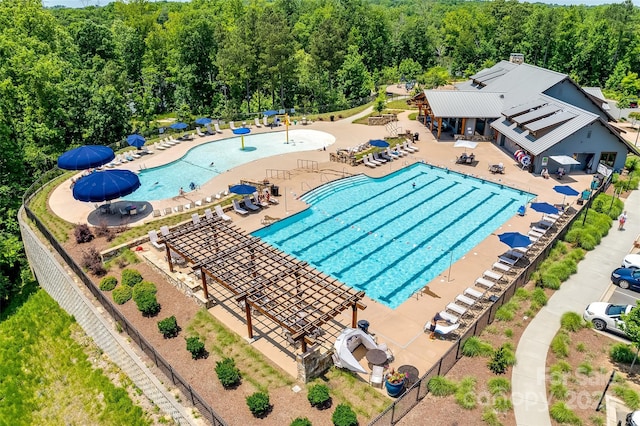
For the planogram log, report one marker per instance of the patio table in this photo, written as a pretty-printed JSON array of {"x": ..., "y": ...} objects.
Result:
[
  {"x": 376, "y": 356},
  {"x": 411, "y": 372}
]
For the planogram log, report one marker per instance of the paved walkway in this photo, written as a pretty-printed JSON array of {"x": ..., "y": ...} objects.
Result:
[{"x": 588, "y": 285}]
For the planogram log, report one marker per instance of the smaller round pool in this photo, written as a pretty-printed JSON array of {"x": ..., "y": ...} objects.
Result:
[{"x": 204, "y": 162}]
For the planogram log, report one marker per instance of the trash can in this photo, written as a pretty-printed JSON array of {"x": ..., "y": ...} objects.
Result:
[
  {"x": 363, "y": 325},
  {"x": 275, "y": 190},
  {"x": 416, "y": 136}
]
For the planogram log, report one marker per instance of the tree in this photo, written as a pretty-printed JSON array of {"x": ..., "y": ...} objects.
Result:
[
  {"x": 435, "y": 77},
  {"x": 631, "y": 327}
]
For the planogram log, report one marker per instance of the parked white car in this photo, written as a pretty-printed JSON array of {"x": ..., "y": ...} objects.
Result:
[
  {"x": 633, "y": 419},
  {"x": 606, "y": 316},
  {"x": 631, "y": 261}
]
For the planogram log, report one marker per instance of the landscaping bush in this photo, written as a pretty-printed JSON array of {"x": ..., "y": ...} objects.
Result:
[
  {"x": 259, "y": 404},
  {"x": 509, "y": 353},
  {"x": 499, "y": 362},
  {"x": 522, "y": 294},
  {"x": 144, "y": 294},
  {"x": 440, "y": 386},
  {"x": 344, "y": 416},
  {"x": 196, "y": 347},
  {"x": 560, "y": 344},
  {"x": 92, "y": 261},
  {"x": 108, "y": 283},
  {"x": 507, "y": 311},
  {"x": 168, "y": 327},
  {"x": 621, "y": 352},
  {"x": 103, "y": 230},
  {"x": 538, "y": 298},
  {"x": 571, "y": 321},
  {"x": 301, "y": 421},
  {"x": 548, "y": 280},
  {"x": 318, "y": 395},
  {"x": 563, "y": 414},
  {"x": 629, "y": 396},
  {"x": 228, "y": 373},
  {"x": 466, "y": 393},
  {"x": 490, "y": 417},
  {"x": 83, "y": 233},
  {"x": 474, "y": 346},
  {"x": 499, "y": 386},
  {"x": 121, "y": 294},
  {"x": 558, "y": 390},
  {"x": 131, "y": 277},
  {"x": 502, "y": 404}
]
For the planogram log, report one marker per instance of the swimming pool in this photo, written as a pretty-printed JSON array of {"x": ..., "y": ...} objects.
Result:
[
  {"x": 389, "y": 238},
  {"x": 196, "y": 166}
]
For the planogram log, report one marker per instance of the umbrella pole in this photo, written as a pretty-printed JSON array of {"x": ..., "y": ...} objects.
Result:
[
  {"x": 450, "y": 263},
  {"x": 242, "y": 139}
]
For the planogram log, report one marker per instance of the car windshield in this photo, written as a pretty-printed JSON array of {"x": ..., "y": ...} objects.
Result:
[{"x": 616, "y": 310}]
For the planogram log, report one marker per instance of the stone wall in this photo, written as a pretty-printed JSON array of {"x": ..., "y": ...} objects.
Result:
[
  {"x": 382, "y": 120},
  {"x": 313, "y": 364}
]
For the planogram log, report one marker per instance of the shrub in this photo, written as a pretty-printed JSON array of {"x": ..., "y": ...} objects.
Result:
[
  {"x": 92, "y": 261},
  {"x": 502, "y": 404},
  {"x": 498, "y": 363},
  {"x": 562, "y": 414},
  {"x": 560, "y": 367},
  {"x": 571, "y": 321},
  {"x": 490, "y": 417},
  {"x": 474, "y": 346},
  {"x": 585, "y": 368},
  {"x": 507, "y": 311},
  {"x": 548, "y": 280},
  {"x": 131, "y": 277},
  {"x": 227, "y": 372},
  {"x": 301, "y": 421},
  {"x": 466, "y": 393},
  {"x": 83, "y": 233},
  {"x": 522, "y": 294},
  {"x": 440, "y": 386},
  {"x": 560, "y": 345},
  {"x": 108, "y": 283},
  {"x": 318, "y": 395},
  {"x": 558, "y": 390},
  {"x": 499, "y": 386},
  {"x": 539, "y": 297},
  {"x": 121, "y": 294},
  {"x": 103, "y": 230},
  {"x": 509, "y": 353},
  {"x": 629, "y": 396},
  {"x": 259, "y": 404},
  {"x": 168, "y": 327},
  {"x": 344, "y": 416},
  {"x": 508, "y": 333},
  {"x": 144, "y": 294},
  {"x": 621, "y": 352},
  {"x": 196, "y": 347}
]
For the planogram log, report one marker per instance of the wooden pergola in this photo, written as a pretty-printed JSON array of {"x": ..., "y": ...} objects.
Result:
[
  {"x": 263, "y": 279},
  {"x": 424, "y": 110}
]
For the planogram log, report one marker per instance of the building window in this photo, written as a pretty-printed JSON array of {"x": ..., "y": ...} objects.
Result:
[
  {"x": 589, "y": 134},
  {"x": 608, "y": 158}
]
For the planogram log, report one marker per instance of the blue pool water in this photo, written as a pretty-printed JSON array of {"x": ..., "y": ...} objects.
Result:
[
  {"x": 388, "y": 238},
  {"x": 165, "y": 181}
]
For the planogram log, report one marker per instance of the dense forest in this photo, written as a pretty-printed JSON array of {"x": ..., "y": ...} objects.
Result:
[{"x": 91, "y": 76}]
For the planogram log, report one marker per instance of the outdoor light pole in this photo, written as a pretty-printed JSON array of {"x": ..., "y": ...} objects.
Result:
[{"x": 605, "y": 390}]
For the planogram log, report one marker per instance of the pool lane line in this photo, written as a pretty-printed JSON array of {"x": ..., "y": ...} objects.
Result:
[{"x": 444, "y": 253}]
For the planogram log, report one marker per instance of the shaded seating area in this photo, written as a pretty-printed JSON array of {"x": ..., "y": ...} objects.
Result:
[
  {"x": 496, "y": 168},
  {"x": 299, "y": 299},
  {"x": 466, "y": 159}
]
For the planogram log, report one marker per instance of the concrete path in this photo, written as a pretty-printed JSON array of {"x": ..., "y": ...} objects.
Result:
[{"x": 592, "y": 280}]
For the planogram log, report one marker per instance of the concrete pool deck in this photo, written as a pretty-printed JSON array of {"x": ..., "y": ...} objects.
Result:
[{"x": 400, "y": 328}]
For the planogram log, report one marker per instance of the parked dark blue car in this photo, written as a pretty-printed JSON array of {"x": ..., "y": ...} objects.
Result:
[{"x": 627, "y": 278}]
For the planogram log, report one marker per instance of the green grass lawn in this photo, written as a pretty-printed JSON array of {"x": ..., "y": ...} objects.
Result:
[{"x": 48, "y": 379}]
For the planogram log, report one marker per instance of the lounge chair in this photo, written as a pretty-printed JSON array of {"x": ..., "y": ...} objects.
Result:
[
  {"x": 256, "y": 199},
  {"x": 265, "y": 121},
  {"x": 248, "y": 204},
  {"x": 472, "y": 292},
  {"x": 256, "y": 121},
  {"x": 134, "y": 154},
  {"x": 377, "y": 158},
  {"x": 400, "y": 151},
  {"x": 377, "y": 376},
  {"x": 372, "y": 160},
  {"x": 237, "y": 208},
  {"x": 158, "y": 147},
  {"x": 195, "y": 218},
  {"x": 164, "y": 230},
  {"x": 153, "y": 238},
  {"x": 217, "y": 127},
  {"x": 199, "y": 132},
  {"x": 406, "y": 147},
  {"x": 221, "y": 213},
  {"x": 485, "y": 283},
  {"x": 156, "y": 213},
  {"x": 449, "y": 317},
  {"x": 491, "y": 274},
  {"x": 496, "y": 168},
  {"x": 442, "y": 330},
  {"x": 208, "y": 214},
  {"x": 198, "y": 203},
  {"x": 413, "y": 146},
  {"x": 232, "y": 125},
  {"x": 167, "y": 211},
  {"x": 366, "y": 162},
  {"x": 466, "y": 300},
  {"x": 384, "y": 155},
  {"x": 188, "y": 206},
  {"x": 453, "y": 307},
  {"x": 178, "y": 209},
  {"x": 508, "y": 260},
  {"x": 501, "y": 267},
  {"x": 391, "y": 154},
  {"x": 145, "y": 150}
]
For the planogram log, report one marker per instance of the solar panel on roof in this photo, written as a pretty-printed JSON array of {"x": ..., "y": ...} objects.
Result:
[
  {"x": 519, "y": 109},
  {"x": 550, "y": 121},
  {"x": 536, "y": 114}
]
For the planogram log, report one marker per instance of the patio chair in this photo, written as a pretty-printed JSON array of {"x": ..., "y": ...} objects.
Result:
[
  {"x": 400, "y": 151},
  {"x": 199, "y": 132},
  {"x": 391, "y": 154},
  {"x": 453, "y": 307},
  {"x": 237, "y": 208},
  {"x": 256, "y": 199},
  {"x": 167, "y": 211},
  {"x": 188, "y": 206},
  {"x": 442, "y": 330},
  {"x": 377, "y": 376},
  {"x": 164, "y": 230},
  {"x": 153, "y": 238},
  {"x": 176, "y": 259},
  {"x": 406, "y": 147},
  {"x": 217, "y": 127},
  {"x": 383, "y": 347},
  {"x": 232, "y": 125},
  {"x": 208, "y": 214},
  {"x": 379, "y": 159},
  {"x": 220, "y": 213},
  {"x": 366, "y": 162},
  {"x": 257, "y": 122},
  {"x": 195, "y": 218},
  {"x": 265, "y": 121},
  {"x": 248, "y": 204}
]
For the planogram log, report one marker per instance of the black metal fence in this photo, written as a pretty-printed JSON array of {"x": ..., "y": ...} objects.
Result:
[
  {"x": 184, "y": 386},
  {"x": 411, "y": 397}
]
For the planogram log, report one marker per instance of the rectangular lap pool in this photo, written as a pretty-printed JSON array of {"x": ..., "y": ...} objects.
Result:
[{"x": 393, "y": 235}]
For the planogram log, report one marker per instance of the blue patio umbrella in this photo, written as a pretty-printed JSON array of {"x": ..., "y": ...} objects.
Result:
[
  {"x": 379, "y": 143},
  {"x": 545, "y": 208},
  {"x": 515, "y": 239},
  {"x": 565, "y": 190},
  {"x": 243, "y": 189},
  {"x": 105, "y": 186},
  {"x": 86, "y": 157},
  {"x": 179, "y": 125},
  {"x": 203, "y": 120},
  {"x": 136, "y": 140},
  {"x": 241, "y": 131},
  {"x": 270, "y": 112}
]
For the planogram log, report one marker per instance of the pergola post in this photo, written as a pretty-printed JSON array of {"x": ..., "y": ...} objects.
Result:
[
  {"x": 354, "y": 316},
  {"x": 464, "y": 127},
  {"x": 166, "y": 245},
  {"x": 203, "y": 277},
  {"x": 303, "y": 347},
  {"x": 439, "y": 126},
  {"x": 247, "y": 311}
]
